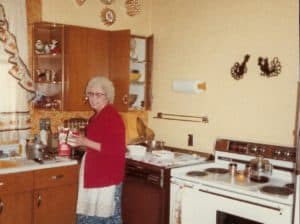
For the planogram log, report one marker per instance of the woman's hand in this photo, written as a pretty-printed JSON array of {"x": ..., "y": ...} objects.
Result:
[
  {"x": 80, "y": 140},
  {"x": 76, "y": 140}
]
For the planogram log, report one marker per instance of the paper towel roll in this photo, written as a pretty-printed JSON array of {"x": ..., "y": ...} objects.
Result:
[{"x": 189, "y": 86}]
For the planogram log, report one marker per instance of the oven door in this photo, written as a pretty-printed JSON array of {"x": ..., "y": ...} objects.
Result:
[{"x": 216, "y": 208}]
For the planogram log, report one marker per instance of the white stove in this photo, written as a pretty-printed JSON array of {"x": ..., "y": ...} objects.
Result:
[{"x": 212, "y": 193}]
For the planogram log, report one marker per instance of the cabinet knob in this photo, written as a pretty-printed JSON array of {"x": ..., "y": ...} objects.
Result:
[
  {"x": 39, "y": 200},
  {"x": 125, "y": 99},
  {"x": 59, "y": 176},
  {"x": 1, "y": 206}
]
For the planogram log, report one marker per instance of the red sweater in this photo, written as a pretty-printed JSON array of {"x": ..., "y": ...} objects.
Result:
[{"x": 106, "y": 167}]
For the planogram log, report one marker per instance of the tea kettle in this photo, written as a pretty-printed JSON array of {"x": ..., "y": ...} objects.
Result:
[{"x": 260, "y": 166}]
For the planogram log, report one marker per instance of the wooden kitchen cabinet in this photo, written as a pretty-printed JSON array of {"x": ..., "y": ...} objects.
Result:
[
  {"x": 55, "y": 195},
  {"x": 82, "y": 53},
  {"x": 16, "y": 198}
]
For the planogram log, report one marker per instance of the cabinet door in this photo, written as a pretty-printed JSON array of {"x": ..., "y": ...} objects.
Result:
[
  {"x": 55, "y": 205},
  {"x": 86, "y": 55},
  {"x": 140, "y": 89},
  {"x": 16, "y": 198},
  {"x": 55, "y": 195},
  {"x": 119, "y": 49},
  {"x": 16, "y": 208},
  {"x": 47, "y": 64}
]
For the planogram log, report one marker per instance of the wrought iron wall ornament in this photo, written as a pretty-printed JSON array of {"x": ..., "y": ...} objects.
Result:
[
  {"x": 238, "y": 70},
  {"x": 269, "y": 69}
]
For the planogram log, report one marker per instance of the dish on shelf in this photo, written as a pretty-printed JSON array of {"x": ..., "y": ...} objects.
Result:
[
  {"x": 134, "y": 76},
  {"x": 48, "y": 88},
  {"x": 131, "y": 99}
]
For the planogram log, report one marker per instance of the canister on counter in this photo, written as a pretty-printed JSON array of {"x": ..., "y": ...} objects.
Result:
[{"x": 63, "y": 148}]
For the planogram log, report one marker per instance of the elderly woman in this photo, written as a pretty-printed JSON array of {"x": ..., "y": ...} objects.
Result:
[{"x": 102, "y": 167}]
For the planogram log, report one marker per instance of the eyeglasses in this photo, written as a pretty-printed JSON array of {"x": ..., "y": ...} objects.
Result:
[{"x": 94, "y": 94}]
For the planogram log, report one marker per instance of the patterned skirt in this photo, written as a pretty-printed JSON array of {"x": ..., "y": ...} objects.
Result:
[{"x": 115, "y": 219}]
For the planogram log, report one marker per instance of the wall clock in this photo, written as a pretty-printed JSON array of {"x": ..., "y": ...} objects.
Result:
[{"x": 108, "y": 16}]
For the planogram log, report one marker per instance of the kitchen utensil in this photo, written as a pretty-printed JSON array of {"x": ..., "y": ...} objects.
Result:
[
  {"x": 232, "y": 167},
  {"x": 35, "y": 149},
  {"x": 260, "y": 166}
]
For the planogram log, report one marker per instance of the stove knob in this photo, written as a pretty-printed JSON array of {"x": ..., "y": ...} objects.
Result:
[
  {"x": 277, "y": 153},
  {"x": 287, "y": 155},
  {"x": 253, "y": 149},
  {"x": 260, "y": 151}
]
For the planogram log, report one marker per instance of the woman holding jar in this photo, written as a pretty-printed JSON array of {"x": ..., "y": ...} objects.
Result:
[{"x": 103, "y": 165}]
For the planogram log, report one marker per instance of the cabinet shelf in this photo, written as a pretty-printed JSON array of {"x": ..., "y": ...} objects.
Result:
[
  {"x": 137, "y": 83},
  {"x": 48, "y": 56}
]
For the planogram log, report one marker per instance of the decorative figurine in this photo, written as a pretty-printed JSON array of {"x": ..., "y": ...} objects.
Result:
[
  {"x": 39, "y": 47},
  {"x": 54, "y": 46}
]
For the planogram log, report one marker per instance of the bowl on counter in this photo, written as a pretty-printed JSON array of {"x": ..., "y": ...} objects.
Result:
[{"x": 136, "y": 151}]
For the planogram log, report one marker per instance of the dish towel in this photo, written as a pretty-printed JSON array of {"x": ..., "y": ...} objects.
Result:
[{"x": 95, "y": 201}]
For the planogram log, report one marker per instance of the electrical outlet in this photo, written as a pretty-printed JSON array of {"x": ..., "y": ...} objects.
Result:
[{"x": 190, "y": 140}]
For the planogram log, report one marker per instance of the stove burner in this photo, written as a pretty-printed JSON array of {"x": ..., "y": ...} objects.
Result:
[
  {"x": 290, "y": 186},
  {"x": 196, "y": 173},
  {"x": 259, "y": 179},
  {"x": 217, "y": 170},
  {"x": 277, "y": 190}
]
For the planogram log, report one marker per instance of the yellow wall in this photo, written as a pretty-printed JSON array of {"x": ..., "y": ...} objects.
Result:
[
  {"x": 88, "y": 15},
  {"x": 202, "y": 39}
]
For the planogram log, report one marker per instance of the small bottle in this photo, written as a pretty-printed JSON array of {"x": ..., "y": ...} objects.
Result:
[
  {"x": 43, "y": 134},
  {"x": 49, "y": 136}
]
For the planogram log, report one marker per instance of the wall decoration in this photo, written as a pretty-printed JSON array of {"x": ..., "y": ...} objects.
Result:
[
  {"x": 107, "y": 2},
  {"x": 133, "y": 7},
  {"x": 108, "y": 16},
  {"x": 269, "y": 69},
  {"x": 238, "y": 70},
  {"x": 80, "y": 2}
]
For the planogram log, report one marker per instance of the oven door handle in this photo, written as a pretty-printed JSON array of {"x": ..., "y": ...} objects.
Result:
[
  {"x": 182, "y": 184},
  {"x": 239, "y": 200}
]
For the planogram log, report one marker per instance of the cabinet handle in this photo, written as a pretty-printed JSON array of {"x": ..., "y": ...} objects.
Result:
[
  {"x": 1, "y": 183},
  {"x": 59, "y": 176},
  {"x": 39, "y": 200},
  {"x": 1, "y": 206},
  {"x": 125, "y": 99}
]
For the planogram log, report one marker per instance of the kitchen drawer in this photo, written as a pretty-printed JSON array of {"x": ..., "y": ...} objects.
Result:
[
  {"x": 54, "y": 177},
  {"x": 16, "y": 182}
]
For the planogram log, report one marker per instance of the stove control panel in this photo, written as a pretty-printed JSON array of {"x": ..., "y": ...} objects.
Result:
[{"x": 257, "y": 149}]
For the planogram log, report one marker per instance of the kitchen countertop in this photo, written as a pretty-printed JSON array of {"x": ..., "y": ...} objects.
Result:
[{"x": 30, "y": 165}]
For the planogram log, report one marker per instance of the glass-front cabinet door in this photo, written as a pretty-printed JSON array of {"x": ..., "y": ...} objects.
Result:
[{"x": 141, "y": 54}]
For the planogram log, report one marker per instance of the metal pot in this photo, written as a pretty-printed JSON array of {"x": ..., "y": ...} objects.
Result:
[
  {"x": 260, "y": 166},
  {"x": 35, "y": 150}
]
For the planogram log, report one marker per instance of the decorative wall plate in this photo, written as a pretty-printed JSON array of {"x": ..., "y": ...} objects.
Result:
[
  {"x": 107, "y": 2},
  {"x": 80, "y": 2},
  {"x": 108, "y": 16},
  {"x": 133, "y": 7}
]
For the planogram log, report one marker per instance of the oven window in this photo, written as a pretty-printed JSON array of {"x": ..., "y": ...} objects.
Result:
[{"x": 225, "y": 218}]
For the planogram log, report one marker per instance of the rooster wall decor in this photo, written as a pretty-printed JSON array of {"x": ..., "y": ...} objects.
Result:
[
  {"x": 238, "y": 70},
  {"x": 269, "y": 69}
]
